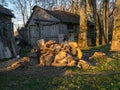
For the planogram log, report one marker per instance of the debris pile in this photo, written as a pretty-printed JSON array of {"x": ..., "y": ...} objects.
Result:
[{"x": 63, "y": 54}]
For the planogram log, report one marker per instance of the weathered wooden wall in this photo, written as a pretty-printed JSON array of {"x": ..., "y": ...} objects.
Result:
[
  {"x": 1, "y": 50},
  {"x": 34, "y": 34},
  {"x": 43, "y": 25},
  {"x": 7, "y": 41},
  {"x": 24, "y": 34},
  {"x": 50, "y": 32}
]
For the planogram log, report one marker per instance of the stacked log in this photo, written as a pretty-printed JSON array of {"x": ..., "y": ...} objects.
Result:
[{"x": 63, "y": 54}]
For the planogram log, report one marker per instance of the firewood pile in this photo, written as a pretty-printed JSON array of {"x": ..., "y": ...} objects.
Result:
[{"x": 63, "y": 54}]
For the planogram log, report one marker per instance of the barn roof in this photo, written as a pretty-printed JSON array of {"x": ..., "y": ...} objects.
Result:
[
  {"x": 63, "y": 16},
  {"x": 5, "y": 11}
]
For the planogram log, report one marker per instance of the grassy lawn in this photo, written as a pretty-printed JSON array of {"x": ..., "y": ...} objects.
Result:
[
  {"x": 85, "y": 81},
  {"x": 104, "y": 76}
]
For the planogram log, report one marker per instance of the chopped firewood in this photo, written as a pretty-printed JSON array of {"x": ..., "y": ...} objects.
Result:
[{"x": 64, "y": 54}]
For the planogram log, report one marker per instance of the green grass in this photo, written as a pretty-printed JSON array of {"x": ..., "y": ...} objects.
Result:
[
  {"x": 99, "y": 78},
  {"x": 104, "y": 48},
  {"x": 104, "y": 76},
  {"x": 12, "y": 81}
]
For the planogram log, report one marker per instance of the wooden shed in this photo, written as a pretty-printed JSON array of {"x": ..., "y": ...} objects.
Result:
[
  {"x": 54, "y": 25},
  {"x": 7, "y": 41},
  {"x": 50, "y": 25}
]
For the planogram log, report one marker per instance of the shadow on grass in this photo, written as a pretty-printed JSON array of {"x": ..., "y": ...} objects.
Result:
[
  {"x": 40, "y": 79},
  {"x": 104, "y": 48},
  {"x": 24, "y": 52}
]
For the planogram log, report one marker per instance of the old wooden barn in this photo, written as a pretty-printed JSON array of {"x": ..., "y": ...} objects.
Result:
[
  {"x": 51, "y": 25},
  {"x": 7, "y": 41}
]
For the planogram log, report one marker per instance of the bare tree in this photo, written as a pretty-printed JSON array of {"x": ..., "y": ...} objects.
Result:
[
  {"x": 116, "y": 31},
  {"x": 30, "y": 3},
  {"x": 46, "y": 4},
  {"x": 24, "y": 7},
  {"x": 105, "y": 19},
  {"x": 74, "y": 6},
  {"x": 87, "y": 12},
  {"x": 91, "y": 16},
  {"x": 82, "y": 37}
]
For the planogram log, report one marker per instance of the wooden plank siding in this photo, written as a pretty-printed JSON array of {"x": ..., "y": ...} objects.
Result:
[
  {"x": 50, "y": 33},
  {"x": 8, "y": 46},
  {"x": 34, "y": 33},
  {"x": 43, "y": 24}
]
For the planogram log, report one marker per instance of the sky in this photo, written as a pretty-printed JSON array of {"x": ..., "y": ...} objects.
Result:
[
  {"x": 12, "y": 7},
  {"x": 17, "y": 20}
]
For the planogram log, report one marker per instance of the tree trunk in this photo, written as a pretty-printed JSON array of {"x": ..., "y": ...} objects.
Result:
[
  {"x": 91, "y": 15},
  {"x": 97, "y": 31},
  {"x": 105, "y": 20},
  {"x": 82, "y": 37},
  {"x": 116, "y": 31}
]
